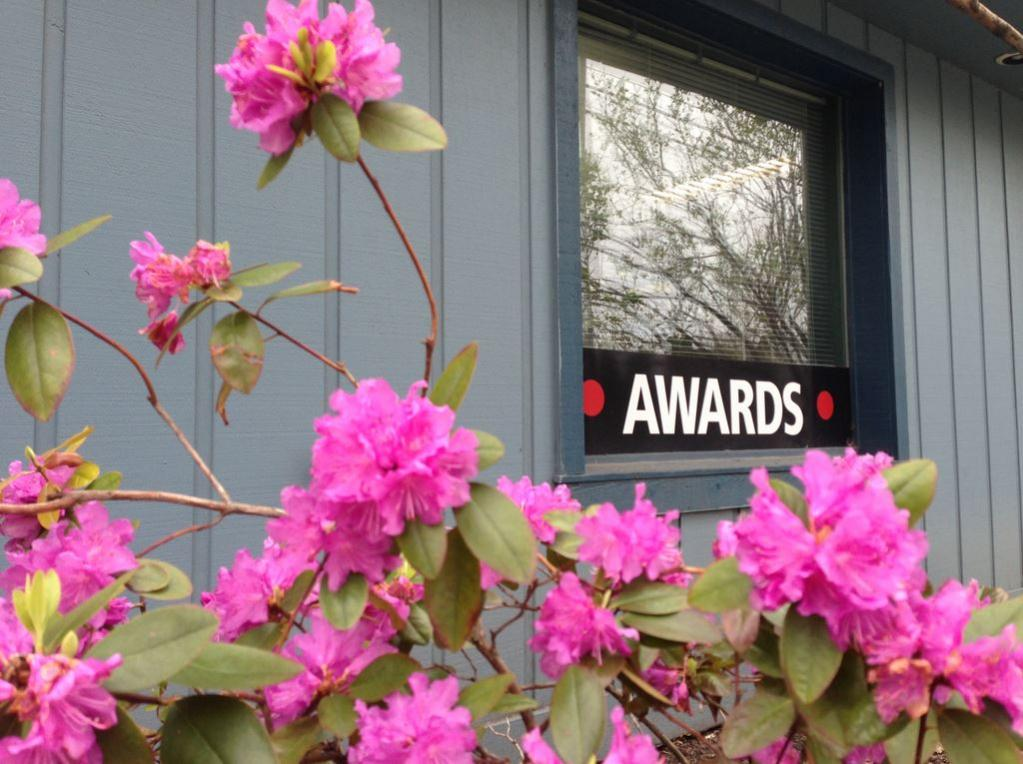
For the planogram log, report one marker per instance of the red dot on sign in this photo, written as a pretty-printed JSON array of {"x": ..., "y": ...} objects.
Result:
[
  {"x": 593, "y": 397},
  {"x": 825, "y": 405}
]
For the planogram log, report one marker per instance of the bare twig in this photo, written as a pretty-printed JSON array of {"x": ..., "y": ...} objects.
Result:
[
  {"x": 489, "y": 651},
  {"x": 431, "y": 341},
  {"x": 991, "y": 21},
  {"x": 337, "y": 366},
  {"x": 665, "y": 740},
  {"x": 151, "y": 395},
  {"x": 182, "y": 532},
  {"x": 74, "y": 498}
]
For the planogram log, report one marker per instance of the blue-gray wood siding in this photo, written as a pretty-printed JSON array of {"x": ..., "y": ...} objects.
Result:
[{"x": 113, "y": 107}]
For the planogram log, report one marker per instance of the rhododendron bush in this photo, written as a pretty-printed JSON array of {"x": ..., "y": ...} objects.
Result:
[{"x": 814, "y": 635}]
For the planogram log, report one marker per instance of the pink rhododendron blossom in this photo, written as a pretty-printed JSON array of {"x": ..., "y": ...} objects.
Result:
[
  {"x": 160, "y": 330},
  {"x": 943, "y": 618},
  {"x": 902, "y": 685},
  {"x": 333, "y": 659},
  {"x": 829, "y": 482},
  {"x": 570, "y": 627},
  {"x": 19, "y": 221},
  {"x": 866, "y": 754},
  {"x": 537, "y": 750},
  {"x": 247, "y": 591},
  {"x": 313, "y": 525},
  {"x": 159, "y": 276},
  {"x": 426, "y": 727},
  {"x": 627, "y": 748},
  {"x": 24, "y": 487},
  {"x": 87, "y": 556},
  {"x": 670, "y": 682},
  {"x": 990, "y": 668},
  {"x": 6, "y": 294},
  {"x": 781, "y": 751},
  {"x": 726, "y": 541},
  {"x": 14, "y": 637},
  {"x": 209, "y": 263},
  {"x": 62, "y": 703},
  {"x": 385, "y": 460},
  {"x": 626, "y": 545},
  {"x": 269, "y": 103}
]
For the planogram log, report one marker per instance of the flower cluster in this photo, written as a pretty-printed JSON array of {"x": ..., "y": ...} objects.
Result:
[
  {"x": 274, "y": 77},
  {"x": 19, "y": 221},
  {"x": 161, "y": 277},
  {"x": 26, "y": 487}
]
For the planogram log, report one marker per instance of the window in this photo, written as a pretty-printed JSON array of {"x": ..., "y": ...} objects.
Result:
[{"x": 712, "y": 264}]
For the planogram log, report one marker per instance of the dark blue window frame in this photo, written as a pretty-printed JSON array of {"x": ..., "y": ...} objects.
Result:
[{"x": 865, "y": 86}]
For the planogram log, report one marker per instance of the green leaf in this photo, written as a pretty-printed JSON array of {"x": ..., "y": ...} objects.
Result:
[
  {"x": 213, "y": 729},
  {"x": 418, "y": 630},
  {"x": 77, "y": 617},
  {"x": 578, "y": 711},
  {"x": 424, "y": 546},
  {"x": 489, "y": 449},
  {"x": 819, "y": 752},
  {"x": 650, "y": 598},
  {"x": 337, "y": 127},
  {"x": 63, "y": 239},
  {"x": 450, "y": 390},
  {"x": 344, "y": 607},
  {"x": 262, "y": 637},
  {"x": 192, "y": 312},
  {"x": 385, "y": 675},
  {"x": 292, "y": 741},
  {"x": 792, "y": 498},
  {"x": 913, "y": 484},
  {"x": 273, "y": 168},
  {"x": 454, "y": 598},
  {"x": 991, "y": 620},
  {"x": 764, "y": 654},
  {"x": 303, "y": 290},
  {"x": 684, "y": 626},
  {"x": 969, "y": 739},
  {"x": 298, "y": 590},
  {"x": 514, "y": 704},
  {"x": 155, "y": 646},
  {"x": 901, "y": 747},
  {"x": 148, "y": 578},
  {"x": 124, "y": 743},
  {"x": 40, "y": 359},
  {"x": 396, "y": 126},
  {"x": 651, "y": 691},
  {"x": 809, "y": 658},
  {"x": 226, "y": 292},
  {"x": 236, "y": 347},
  {"x": 19, "y": 266},
  {"x": 721, "y": 587},
  {"x": 178, "y": 586},
  {"x": 108, "y": 481},
  {"x": 741, "y": 628},
  {"x": 337, "y": 715},
  {"x": 481, "y": 696},
  {"x": 262, "y": 275},
  {"x": 224, "y": 666},
  {"x": 756, "y": 723},
  {"x": 498, "y": 533}
]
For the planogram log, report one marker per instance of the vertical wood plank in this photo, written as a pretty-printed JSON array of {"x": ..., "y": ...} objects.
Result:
[
  {"x": 933, "y": 324},
  {"x": 699, "y": 531},
  {"x": 128, "y": 150},
  {"x": 999, "y": 371},
  {"x": 967, "y": 324}
]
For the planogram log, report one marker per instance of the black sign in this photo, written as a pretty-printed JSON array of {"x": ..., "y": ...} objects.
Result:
[{"x": 642, "y": 402}]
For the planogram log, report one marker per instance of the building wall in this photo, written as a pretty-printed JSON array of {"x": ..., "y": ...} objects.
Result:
[{"x": 113, "y": 107}]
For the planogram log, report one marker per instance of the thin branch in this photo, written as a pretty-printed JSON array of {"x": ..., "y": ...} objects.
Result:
[
  {"x": 73, "y": 498},
  {"x": 991, "y": 21},
  {"x": 431, "y": 341},
  {"x": 182, "y": 532},
  {"x": 151, "y": 395},
  {"x": 337, "y": 366},
  {"x": 301, "y": 603},
  {"x": 489, "y": 651}
]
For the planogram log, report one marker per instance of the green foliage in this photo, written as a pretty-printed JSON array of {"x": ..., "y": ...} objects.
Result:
[
  {"x": 809, "y": 658},
  {"x": 236, "y": 347},
  {"x": 273, "y": 168},
  {"x": 19, "y": 266},
  {"x": 39, "y": 359},
  {"x": 913, "y": 484},
  {"x": 721, "y": 587},
  {"x": 191, "y": 312},
  {"x": 498, "y": 534},
  {"x": 756, "y": 723},
  {"x": 684, "y": 626},
  {"x": 303, "y": 290},
  {"x": 66, "y": 238},
  {"x": 212, "y": 729},
  {"x": 394, "y": 126},
  {"x": 650, "y": 598},
  {"x": 417, "y": 629},
  {"x": 265, "y": 274},
  {"x": 75, "y": 618},
  {"x": 514, "y": 704},
  {"x": 451, "y": 388},
  {"x": 970, "y": 739},
  {"x": 454, "y": 598},
  {"x": 124, "y": 743},
  {"x": 424, "y": 546},
  {"x": 344, "y": 606},
  {"x": 481, "y": 696},
  {"x": 173, "y": 583},
  {"x": 578, "y": 715},
  {"x": 337, "y": 715},
  {"x": 337, "y": 127},
  {"x": 901, "y": 747},
  {"x": 155, "y": 646},
  {"x": 385, "y": 675},
  {"x": 292, "y": 741},
  {"x": 490, "y": 449},
  {"x": 262, "y": 637},
  {"x": 224, "y": 666},
  {"x": 991, "y": 620},
  {"x": 792, "y": 498}
]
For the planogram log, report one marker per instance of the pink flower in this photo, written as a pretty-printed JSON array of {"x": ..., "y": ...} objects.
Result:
[
  {"x": 159, "y": 277},
  {"x": 726, "y": 541},
  {"x": 19, "y": 221},
  {"x": 537, "y": 750},
  {"x": 247, "y": 590},
  {"x": 570, "y": 627},
  {"x": 670, "y": 682},
  {"x": 627, "y": 748},
  {"x": 990, "y": 668},
  {"x": 426, "y": 727},
  {"x": 333, "y": 659},
  {"x": 829, "y": 482},
  {"x": 270, "y": 104},
  {"x": 386, "y": 459},
  {"x": 160, "y": 330},
  {"x": 24, "y": 487},
  {"x": 209, "y": 263},
  {"x": 313, "y": 524},
  {"x": 866, "y": 753},
  {"x": 14, "y": 637},
  {"x": 63, "y": 704},
  {"x": 773, "y": 754},
  {"x": 6, "y": 294},
  {"x": 626, "y": 545},
  {"x": 902, "y": 685}
]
